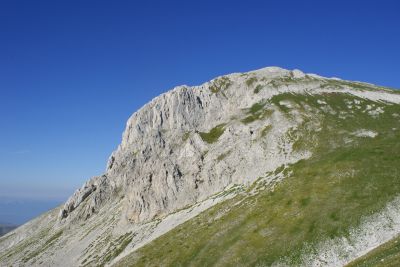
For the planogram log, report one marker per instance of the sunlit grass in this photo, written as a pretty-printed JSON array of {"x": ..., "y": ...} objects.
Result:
[
  {"x": 322, "y": 198},
  {"x": 213, "y": 135}
]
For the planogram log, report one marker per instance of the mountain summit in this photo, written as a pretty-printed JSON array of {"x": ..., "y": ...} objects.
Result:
[{"x": 270, "y": 168}]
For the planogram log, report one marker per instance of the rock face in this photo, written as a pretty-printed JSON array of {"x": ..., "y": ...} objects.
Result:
[
  {"x": 180, "y": 151},
  {"x": 166, "y": 160},
  {"x": 99, "y": 190}
]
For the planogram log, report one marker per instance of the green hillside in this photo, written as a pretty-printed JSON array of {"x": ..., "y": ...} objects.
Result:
[{"x": 352, "y": 173}]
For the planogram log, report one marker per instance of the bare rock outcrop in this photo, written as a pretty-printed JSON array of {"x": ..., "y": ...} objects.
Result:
[
  {"x": 192, "y": 142},
  {"x": 165, "y": 161}
]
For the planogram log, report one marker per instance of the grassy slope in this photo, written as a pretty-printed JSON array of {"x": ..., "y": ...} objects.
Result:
[
  {"x": 321, "y": 198},
  {"x": 386, "y": 255},
  {"x": 33, "y": 245}
]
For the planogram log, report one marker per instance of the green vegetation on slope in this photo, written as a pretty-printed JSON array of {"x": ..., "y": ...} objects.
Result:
[
  {"x": 109, "y": 248},
  {"x": 386, "y": 255},
  {"x": 257, "y": 111},
  {"x": 250, "y": 81},
  {"x": 25, "y": 245},
  {"x": 322, "y": 198},
  {"x": 213, "y": 135},
  {"x": 258, "y": 89},
  {"x": 220, "y": 84},
  {"x": 222, "y": 156},
  {"x": 185, "y": 136},
  {"x": 49, "y": 242},
  {"x": 354, "y": 85}
]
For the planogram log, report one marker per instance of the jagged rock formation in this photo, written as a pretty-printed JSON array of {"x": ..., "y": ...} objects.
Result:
[
  {"x": 189, "y": 149},
  {"x": 161, "y": 165},
  {"x": 97, "y": 188}
]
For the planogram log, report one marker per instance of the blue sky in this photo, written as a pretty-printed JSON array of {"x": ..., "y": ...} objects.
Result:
[{"x": 72, "y": 72}]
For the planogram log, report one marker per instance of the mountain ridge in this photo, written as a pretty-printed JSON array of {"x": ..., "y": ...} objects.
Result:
[{"x": 194, "y": 148}]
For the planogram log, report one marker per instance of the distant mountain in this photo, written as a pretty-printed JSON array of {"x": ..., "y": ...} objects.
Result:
[
  {"x": 266, "y": 168},
  {"x": 5, "y": 228},
  {"x": 17, "y": 211}
]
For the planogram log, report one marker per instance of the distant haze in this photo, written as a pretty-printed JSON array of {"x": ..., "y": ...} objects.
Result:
[
  {"x": 19, "y": 204},
  {"x": 17, "y": 211}
]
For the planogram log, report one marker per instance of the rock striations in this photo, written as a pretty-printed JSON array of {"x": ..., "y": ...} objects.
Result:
[{"x": 166, "y": 162}]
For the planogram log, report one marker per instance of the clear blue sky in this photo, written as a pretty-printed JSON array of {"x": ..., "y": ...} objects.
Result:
[{"x": 72, "y": 72}]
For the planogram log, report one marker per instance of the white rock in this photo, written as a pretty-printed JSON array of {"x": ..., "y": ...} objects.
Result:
[{"x": 365, "y": 133}]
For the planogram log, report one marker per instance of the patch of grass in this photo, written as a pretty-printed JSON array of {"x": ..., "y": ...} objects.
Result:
[
  {"x": 256, "y": 108},
  {"x": 234, "y": 189},
  {"x": 185, "y": 136},
  {"x": 257, "y": 116},
  {"x": 305, "y": 201},
  {"x": 276, "y": 100},
  {"x": 265, "y": 130},
  {"x": 49, "y": 242},
  {"x": 113, "y": 247},
  {"x": 283, "y": 81},
  {"x": 220, "y": 84},
  {"x": 289, "y": 80},
  {"x": 254, "y": 185},
  {"x": 54, "y": 237},
  {"x": 213, "y": 135},
  {"x": 257, "y": 112},
  {"x": 23, "y": 247},
  {"x": 249, "y": 119},
  {"x": 122, "y": 242},
  {"x": 355, "y": 85},
  {"x": 222, "y": 156},
  {"x": 386, "y": 255},
  {"x": 286, "y": 79},
  {"x": 250, "y": 81},
  {"x": 258, "y": 89},
  {"x": 95, "y": 251}
]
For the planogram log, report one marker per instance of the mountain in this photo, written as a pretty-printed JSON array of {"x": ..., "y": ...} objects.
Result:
[{"x": 267, "y": 168}]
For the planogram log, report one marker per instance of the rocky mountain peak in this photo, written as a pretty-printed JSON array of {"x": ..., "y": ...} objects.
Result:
[
  {"x": 194, "y": 147},
  {"x": 165, "y": 161},
  {"x": 168, "y": 157}
]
